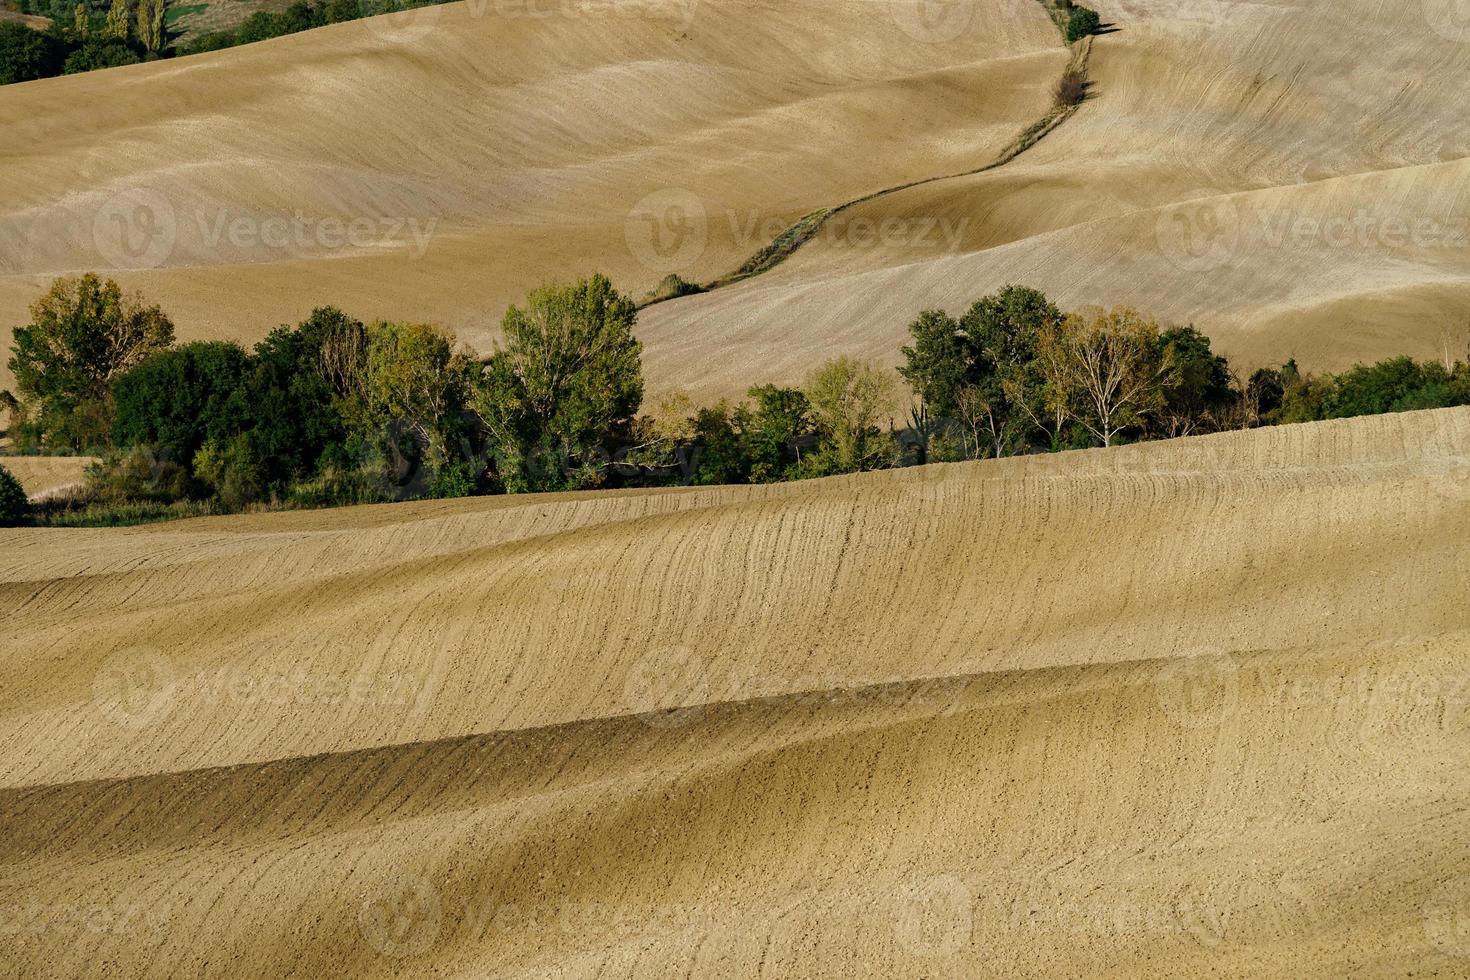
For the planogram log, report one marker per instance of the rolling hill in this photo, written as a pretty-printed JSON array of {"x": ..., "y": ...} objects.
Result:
[
  {"x": 1196, "y": 706},
  {"x": 1284, "y": 175}
]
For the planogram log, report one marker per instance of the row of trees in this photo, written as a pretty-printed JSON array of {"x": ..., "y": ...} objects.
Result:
[
  {"x": 83, "y": 36},
  {"x": 333, "y": 410},
  {"x": 89, "y": 34}
]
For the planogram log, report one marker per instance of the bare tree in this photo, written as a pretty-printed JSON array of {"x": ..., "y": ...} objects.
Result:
[{"x": 1110, "y": 363}]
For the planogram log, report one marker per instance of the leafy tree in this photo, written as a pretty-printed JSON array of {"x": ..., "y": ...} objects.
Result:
[
  {"x": 776, "y": 431},
  {"x": 1003, "y": 331},
  {"x": 416, "y": 381},
  {"x": 721, "y": 436},
  {"x": 1110, "y": 366},
  {"x": 150, "y": 31},
  {"x": 849, "y": 400},
  {"x": 564, "y": 387},
  {"x": 293, "y": 408},
  {"x": 939, "y": 363},
  {"x": 95, "y": 53},
  {"x": 1399, "y": 384},
  {"x": 119, "y": 20},
  {"x": 233, "y": 470},
  {"x": 27, "y": 54},
  {"x": 83, "y": 335},
  {"x": 179, "y": 399},
  {"x": 14, "y": 507},
  {"x": 1197, "y": 386},
  {"x": 1081, "y": 23}
]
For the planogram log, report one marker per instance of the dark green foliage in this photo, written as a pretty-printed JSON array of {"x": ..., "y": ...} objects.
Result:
[
  {"x": 721, "y": 452},
  {"x": 975, "y": 377},
  {"x": 294, "y": 418},
  {"x": 27, "y": 54},
  {"x": 14, "y": 507},
  {"x": 212, "y": 41},
  {"x": 1399, "y": 384},
  {"x": 179, "y": 399},
  {"x": 1081, "y": 23},
  {"x": 1198, "y": 390},
  {"x": 777, "y": 431},
  {"x": 94, "y": 54},
  {"x": 939, "y": 363}
]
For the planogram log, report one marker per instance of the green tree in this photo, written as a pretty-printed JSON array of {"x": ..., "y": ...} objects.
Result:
[
  {"x": 27, "y": 54},
  {"x": 1197, "y": 386},
  {"x": 293, "y": 407},
  {"x": 418, "y": 383},
  {"x": 1005, "y": 396},
  {"x": 850, "y": 399},
  {"x": 181, "y": 398},
  {"x": 83, "y": 335},
  {"x": 233, "y": 470},
  {"x": 14, "y": 507},
  {"x": 779, "y": 427},
  {"x": 1399, "y": 384},
  {"x": 119, "y": 19},
  {"x": 1081, "y": 23},
  {"x": 564, "y": 387},
  {"x": 939, "y": 363},
  {"x": 150, "y": 31}
]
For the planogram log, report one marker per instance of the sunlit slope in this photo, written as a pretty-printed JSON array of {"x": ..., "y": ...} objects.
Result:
[
  {"x": 491, "y": 614},
  {"x": 481, "y": 151},
  {"x": 1289, "y": 176},
  {"x": 41, "y": 476},
  {"x": 1195, "y": 706}
]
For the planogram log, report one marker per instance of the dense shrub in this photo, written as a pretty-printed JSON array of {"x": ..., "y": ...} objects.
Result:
[
  {"x": 1082, "y": 22},
  {"x": 27, "y": 54},
  {"x": 14, "y": 507},
  {"x": 179, "y": 399},
  {"x": 94, "y": 54},
  {"x": 1071, "y": 88}
]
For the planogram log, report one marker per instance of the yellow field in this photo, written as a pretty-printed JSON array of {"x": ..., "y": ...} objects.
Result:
[{"x": 1188, "y": 708}]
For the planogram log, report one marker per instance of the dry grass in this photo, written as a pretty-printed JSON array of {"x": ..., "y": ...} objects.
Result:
[{"x": 1191, "y": 703}]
